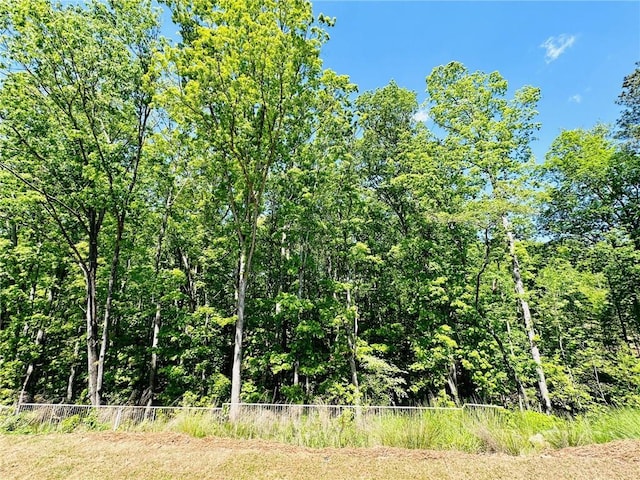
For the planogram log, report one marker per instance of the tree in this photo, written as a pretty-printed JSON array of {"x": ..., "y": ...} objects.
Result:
[
  {"x": 75, "y": 116},
  {"x": 593, "y": 187},
  {"x": 248, "y": 73},
  {"x": 629, "y": 121},
  {"x": 492, "y": 136},
  {"x": 593, "y": 198}
]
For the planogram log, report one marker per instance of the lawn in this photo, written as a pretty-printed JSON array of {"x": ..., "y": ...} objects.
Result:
[{"x": 167, "y": 455}]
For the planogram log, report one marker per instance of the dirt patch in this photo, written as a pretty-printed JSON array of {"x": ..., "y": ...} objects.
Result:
[
  {"x": 622, "y": 450},
  {"x": 152, "y": 456}
]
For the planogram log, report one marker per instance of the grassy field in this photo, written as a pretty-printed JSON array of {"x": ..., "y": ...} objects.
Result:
[
  {"x": 485, "y": 444},
  {"x": 480, "y": 431},
  {"x": 166, "y": 455}
]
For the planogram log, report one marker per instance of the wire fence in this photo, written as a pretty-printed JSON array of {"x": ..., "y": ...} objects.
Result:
[
  {"x": 125, "y": 417},
  {"x": 111, "y": 416},
  {"x": 300, "y": 410}
]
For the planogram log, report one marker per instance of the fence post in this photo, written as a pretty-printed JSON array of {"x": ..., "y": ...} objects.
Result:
[{"x": 116, "y": 423}]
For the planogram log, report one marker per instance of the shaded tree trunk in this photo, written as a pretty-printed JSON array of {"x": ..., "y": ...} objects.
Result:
[
  {"x": 148, "y": 395},
  {"x": 108, "y": 307},
  {"x": 26, "y": 395},
  {"x": 90, "y": 272},
  {"x": 72, "y": 371},
  {"x": 523, "y": 400},
  {"x": 352, "y": 335}
]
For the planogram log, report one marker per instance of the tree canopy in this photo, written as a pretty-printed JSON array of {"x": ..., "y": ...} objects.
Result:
[{"x": 221, "y": 219}]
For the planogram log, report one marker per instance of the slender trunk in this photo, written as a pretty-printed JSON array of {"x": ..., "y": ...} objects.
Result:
[
  {"x": 485, "y": 264},
  {"x": 108, "y": 307},
  {"x": 452, "y": 382},
  {"x": 296, "y": 374},
  {"x": 157, "y": 318},
  {"x": 243, "y": 270},
  {"x": 630, "y": 343},
  {"x": 352, "y": 335},
  {"x": 193, "y": 293},
  {"x": 526, "y": 314},
  {"x": 148, "y": 397},
  {"x": 597, "y": 378},
  {"x": 153, "y": 364},
  {"x": 72, "y": 371},
  {"x": 25, "y": 393},
  {"x": 30, "y": 376},
  {"x": 92, "y": 336},
  {"x": 296, "y": 364},
  {"x": 566, "y": 364},
  {"x": 523, "y": 400}
]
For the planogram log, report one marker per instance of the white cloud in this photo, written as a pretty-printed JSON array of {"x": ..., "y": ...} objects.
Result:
[
  {"x": 421, "y": 115},
  {"x": 577, "y": 98},
  {"x": 555, "y": 46}
]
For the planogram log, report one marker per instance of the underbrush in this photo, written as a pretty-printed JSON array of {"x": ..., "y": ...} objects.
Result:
[
  {"x": 474, "y": 431},
  {"x": 37, "y": 423}
]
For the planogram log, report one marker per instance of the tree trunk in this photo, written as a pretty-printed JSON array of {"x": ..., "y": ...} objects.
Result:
[
  {"x": 26, "y": 394},
  {"x": 352, "y": 335},
  {"x": 193, "y": 291},
  {"x": 523, "y": 400},
  {"x": 296, "y": 374},
  {"x": 108, "y": 307},
  {"x": 90, "y": 270},
  {"x": 92, "y": 336},
  {"x": 452, "y": 382},
  {"x": 597, "y": 378},
  {"x": 243, "y": 270},
  {"x": 526, "y": 314},
  {"x": 72, "y": 373},
  {"x": 148, "y": 396},
  {"x": 153, "y": 364}
]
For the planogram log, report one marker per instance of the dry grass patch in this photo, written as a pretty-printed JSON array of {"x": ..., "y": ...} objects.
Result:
[{"x": 156, "y": 456}]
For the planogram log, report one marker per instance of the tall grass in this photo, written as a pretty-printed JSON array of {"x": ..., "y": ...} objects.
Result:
[
  {"x": 477, "y": 431},
  {"x": 482, "y": 430}
]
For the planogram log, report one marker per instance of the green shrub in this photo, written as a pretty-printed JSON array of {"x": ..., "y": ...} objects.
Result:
[{"x": 69, "y": 424}]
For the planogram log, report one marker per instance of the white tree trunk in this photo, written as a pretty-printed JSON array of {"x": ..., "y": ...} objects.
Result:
[
  {"x": 526, "y": 315},
  {"x": 236, "y": 380},
  {"x": 153, "y": 364},
  {"x": 352, "y": 335},
  {"x": 72, "y": 373}
]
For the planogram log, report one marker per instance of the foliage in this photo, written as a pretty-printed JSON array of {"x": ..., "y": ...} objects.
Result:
[{"x": 175, "y": 213}]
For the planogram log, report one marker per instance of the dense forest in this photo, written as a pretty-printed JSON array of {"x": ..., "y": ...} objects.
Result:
[{"x": 219, "y": 218}]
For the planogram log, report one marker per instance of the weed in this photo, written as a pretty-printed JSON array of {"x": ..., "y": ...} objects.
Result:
[{"x": 473, "y": 431}]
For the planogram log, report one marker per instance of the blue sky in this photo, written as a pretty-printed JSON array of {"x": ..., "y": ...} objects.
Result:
[{"x": 576, "y": 52}]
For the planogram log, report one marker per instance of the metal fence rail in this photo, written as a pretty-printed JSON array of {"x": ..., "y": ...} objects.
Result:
[{"x": 331, "y": 411}]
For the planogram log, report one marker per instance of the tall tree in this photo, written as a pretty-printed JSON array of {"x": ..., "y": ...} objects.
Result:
[
  {"x": 75, "y": 117},
  {"x": 629, "y": 121},
  {"x": 492, "y": 135},
  {"x": 248, "y": 73},
  {"x": 593, "y": 198},
  {"x": 594, "y": 187}
]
